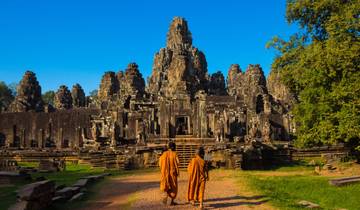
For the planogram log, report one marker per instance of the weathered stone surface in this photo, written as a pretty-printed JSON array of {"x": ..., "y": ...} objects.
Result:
[
  {"x": 179, "y": 67},
  {"x": 109, "y": 86},
  {"x": 278, "y": 90},
  {"x": 63, "y": 98},
  {"x": 77, "y": 196},
  {"x": 28, "y": 96},
  {"x": 10, "y": 177},
  {"x": 81, "y": 183},
  {"x": 35, "y": 196},
  {"x": 179, "y": 34},
  {"x": 132, "y": 83},
  {"x": 345, "y": 181},
  {"x": 217, "y": 84},
  {"x": 21, "y": 205},
  {"x": 36, "y": 190},
  {"x": 308, "y": 204},
  {"x": 51, "y": 165},
  {"x": 67, "y": 192},
  {"x": 95, "y": 177},
  {"x": 78, "y": 96},
  {"x": 248, "y": 85},
  {"x": 234, "y": 79}
]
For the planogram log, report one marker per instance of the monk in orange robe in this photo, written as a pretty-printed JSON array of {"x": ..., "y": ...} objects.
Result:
[
  {"x": 169, "y": 167},
  {"x": 198, "y": 175}
]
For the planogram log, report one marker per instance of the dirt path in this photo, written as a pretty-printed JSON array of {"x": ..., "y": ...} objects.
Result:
[{"x": 142, "y": 192}]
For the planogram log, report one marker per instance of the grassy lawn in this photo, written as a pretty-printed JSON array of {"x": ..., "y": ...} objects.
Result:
[
  {"x": 68, "y": 177},
  {"x": 286, "y": 190},
  {"x": 92, "y": 191},
  {"x": 8, "y": 195}
]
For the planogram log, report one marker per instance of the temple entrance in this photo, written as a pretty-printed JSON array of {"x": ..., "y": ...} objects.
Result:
[{"x": 182, "y": 125}]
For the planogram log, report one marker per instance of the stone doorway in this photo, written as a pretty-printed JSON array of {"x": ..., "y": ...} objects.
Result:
[{"x": 182, "y": 125}]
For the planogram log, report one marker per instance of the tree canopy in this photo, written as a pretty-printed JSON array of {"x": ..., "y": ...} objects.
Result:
[
  {"x": 48, "y": 97},
  {"x": 320, "y": 65},
  {"x": 6, "y": 96}
]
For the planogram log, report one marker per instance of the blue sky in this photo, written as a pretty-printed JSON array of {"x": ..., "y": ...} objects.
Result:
[{"x": 76, "y": 41}]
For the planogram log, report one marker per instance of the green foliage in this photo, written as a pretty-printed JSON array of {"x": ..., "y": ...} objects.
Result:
[
  {"x": 93, "y": 93},
  {"x": 6, "y": 96},
  {"x": 48, "y": 97},
  {"x": 13, "y": 86},
  {"x": 320, "y": 64},
  {"x": 285, "y": 191}
]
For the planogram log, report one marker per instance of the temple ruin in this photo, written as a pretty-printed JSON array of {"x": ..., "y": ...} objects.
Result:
[{"x": 130, "y": 121}]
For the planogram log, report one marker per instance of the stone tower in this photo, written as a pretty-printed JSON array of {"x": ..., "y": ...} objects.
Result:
[
  {"x": 179, "y": 67},
  {"x": 78, "y": 96},
  {"x": 63, "y": 98},
  {"x": 109, "y": 86},
  {"x": 28, "y": 96}
]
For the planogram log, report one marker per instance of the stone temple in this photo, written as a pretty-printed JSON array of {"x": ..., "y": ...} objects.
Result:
[{"x": 130, "y": 121}]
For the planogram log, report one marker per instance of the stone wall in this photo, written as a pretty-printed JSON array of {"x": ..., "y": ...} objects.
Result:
[{"x": 60, "y": 129}]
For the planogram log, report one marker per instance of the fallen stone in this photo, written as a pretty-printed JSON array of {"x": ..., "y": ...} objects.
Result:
[
  {"x": 77, "y": 196},
  {"x": 37, "y": 195},
  {"x": 345, "y": 181},
  {"x": 67, "y": 192},
  {"x": 308, "y": 204},
  {"x": 8, "y": 177},
  {"x": 37, "y": 190},
  {"x": 81, "y": 183},
  {"x": 41, "y": 178},
  {"x": 58, "y": 199},
  {"x": 59, "y": 187},
  {"x": 95, "y": 177},
  {"x": 22, "y": 205}
]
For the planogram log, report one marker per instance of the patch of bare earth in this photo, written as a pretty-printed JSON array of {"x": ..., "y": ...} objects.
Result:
[{"x": 223, "y": 191}]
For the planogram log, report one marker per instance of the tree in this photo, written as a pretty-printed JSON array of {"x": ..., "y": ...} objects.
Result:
[
  {"x": 6, "y": 96},
  {"x": 12, "y": 86},
  {"x": 93, "y": 94},
  {"x": 48, "y": 97},
  {"x": 320, "y": 64}
]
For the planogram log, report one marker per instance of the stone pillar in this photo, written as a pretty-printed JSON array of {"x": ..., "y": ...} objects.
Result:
[
  {"x": 267, "y": 105},
  {"x": 164, "y": 119},
  {"x": 76, "y": 144},
  {"x": 172, "y": 120},
  {"x": 41, "y": 138},
  {"x": 59, "y": 141},
  {"x": 22, "y": 139},
  {"x": 12, "y": 136},
  {"x": 202, "y": 117}
]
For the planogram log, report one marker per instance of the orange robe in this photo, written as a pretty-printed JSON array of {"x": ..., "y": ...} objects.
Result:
[
  {"x": 169, "y": 167},
  {"x": 197, "y": 178}
]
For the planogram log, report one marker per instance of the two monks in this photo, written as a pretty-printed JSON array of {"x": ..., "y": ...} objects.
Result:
[{"x": 198, "y": 175}]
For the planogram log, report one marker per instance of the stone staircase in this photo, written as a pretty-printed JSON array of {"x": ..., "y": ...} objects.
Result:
[
  {"x": 186, "y": 152},
  {"x": 102, "y": 160}
]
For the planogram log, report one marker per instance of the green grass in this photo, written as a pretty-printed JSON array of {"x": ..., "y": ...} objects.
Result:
[
  {"x": 285, "y": 191},
  {"x": 92, "y": 191},
  {"x": 28, "y": 164},
  {"x": 72, "y": 173},
  {"x": 8, "y": 195},
  {"x": 68, "y": 177}
]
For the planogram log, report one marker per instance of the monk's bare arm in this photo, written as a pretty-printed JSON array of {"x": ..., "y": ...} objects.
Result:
[{"x": 177, "y": 165}]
